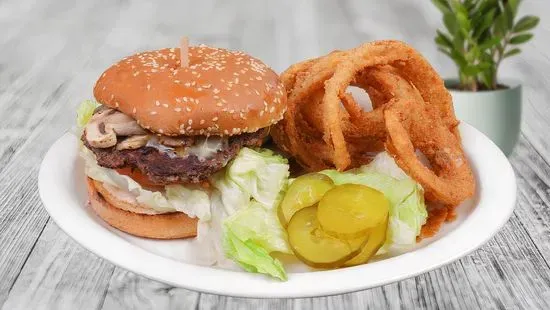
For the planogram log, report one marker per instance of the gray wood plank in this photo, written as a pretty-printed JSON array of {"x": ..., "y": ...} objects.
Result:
[{"x": 59, "y": 265}]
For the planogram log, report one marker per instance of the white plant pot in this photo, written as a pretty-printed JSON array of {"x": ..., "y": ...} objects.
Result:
[{"x": 496, "y": 113}]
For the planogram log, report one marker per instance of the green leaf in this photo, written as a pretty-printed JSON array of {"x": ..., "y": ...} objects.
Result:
[
  {"x": 442, "y": 5},
  {"x": 459, "y": 58},
  {"x": 251, "y": 256},
  {"x": 464, "y": 23},
  {"x": 513, "y": 5},
  {"x": 522, "y": 38},
  {"x": 461, "y": 16},
  {"x": 526, "y": 23},
  {"x": 487, "y": 5},
  {"x": 450, "y": 23},
  {"x": 490, "y": 43},
  {"x": 85, "y": 111},
  {"x": 511, "y": 53},
  {"x": 445, "y": 52},
  {"x": 443, "y": 40},
  {"x": 501, "y": 24},
  {"x": 484, "y": 24},
  {"x": 508, "y": 12},
  {"x": 470, "y": 70},
  {"x": 483, "y": 66}
]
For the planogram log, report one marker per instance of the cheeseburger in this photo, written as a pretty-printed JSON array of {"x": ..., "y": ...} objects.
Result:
[{"x": 161, "y": 124}]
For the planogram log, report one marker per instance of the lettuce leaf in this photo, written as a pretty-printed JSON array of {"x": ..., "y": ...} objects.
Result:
[
  {"x": 250, "y": 190},
  {"x": 262, "y": 174},
  {"x": 261, "y": 225},
  {"x": 85, "y": 111},
  {"x": 252, "y": 257},
  {"x": 407, "y": 208}
]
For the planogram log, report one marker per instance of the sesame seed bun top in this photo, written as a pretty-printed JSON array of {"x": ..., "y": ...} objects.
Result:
[{"x": 222, "y": 92}]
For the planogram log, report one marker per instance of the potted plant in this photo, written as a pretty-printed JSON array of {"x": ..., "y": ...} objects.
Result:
[{"x": 478, "y": 36}]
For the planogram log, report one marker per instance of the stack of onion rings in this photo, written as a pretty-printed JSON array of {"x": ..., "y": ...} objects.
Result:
[{"x": 412, "y": 111}]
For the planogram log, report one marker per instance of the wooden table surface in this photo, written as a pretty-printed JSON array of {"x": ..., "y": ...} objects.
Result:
[{"x": 51, "y": 53}]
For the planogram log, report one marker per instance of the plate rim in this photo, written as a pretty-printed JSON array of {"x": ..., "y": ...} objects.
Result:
[{"x": 206, "y": 279}]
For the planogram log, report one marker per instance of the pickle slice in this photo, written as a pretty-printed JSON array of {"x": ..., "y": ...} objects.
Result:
[
  {"x": 350, "y": 210},
  {"x": 377, "y": 238},
  {"x": 315, "y": 247},
  {"x": 305, "y": 191}
]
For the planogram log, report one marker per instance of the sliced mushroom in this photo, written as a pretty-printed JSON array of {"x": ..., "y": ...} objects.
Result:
[
  {"x": 106, "y": 124},
  {"x": 123, "y": 125},
  {"x": 98, "y": 136},
  {"x": 133, "y": 142}
]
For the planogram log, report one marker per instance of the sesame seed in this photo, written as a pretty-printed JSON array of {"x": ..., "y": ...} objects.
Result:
[
  {"x": 202, "y": 121},
  {"x": 116, "y": 104},
  {"x": 272, "y": 110},
  {"x": 261, "y": 112},
  {"x": 185, "y": 99},
  {"x": 215, "y": 119},
  {"x": 259, "y": 78},
  {"x": 157, "y": 103},
  {"x": 226, "y": 132},
  {"x": 177, "y": 109},
  {"x": 199, "y": 89},
  {"x": 134, "y": 110},
  {"x": 112, "y": 97},
  {"x": 207, "y": 86},
  {"x": 161, "y": 131},
  {"x": 148, "y": 86},
  {"x": 153, "y": 112},
  {"x": 165, "y": 105},
  {"x": 219, "y": 104},
  {"x": 177, "y": 81},
  {"x": 104, "y": 87},
  {"x": 188, "y": 109},
  {"x": 216, "y": 91},
  {"x": 190, "y": 122}
]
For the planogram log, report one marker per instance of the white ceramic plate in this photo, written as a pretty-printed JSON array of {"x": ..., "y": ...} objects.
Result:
[{"x": 62, "y": 189}]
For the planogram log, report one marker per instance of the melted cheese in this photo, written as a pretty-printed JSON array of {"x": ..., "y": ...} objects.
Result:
[{"x": 205, "y": 147}]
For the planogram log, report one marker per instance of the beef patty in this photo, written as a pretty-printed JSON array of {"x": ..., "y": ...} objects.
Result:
[{"x": 163, "y": 168}]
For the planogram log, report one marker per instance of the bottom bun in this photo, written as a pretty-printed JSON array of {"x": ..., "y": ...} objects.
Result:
[{"x": 175, "y": 225}]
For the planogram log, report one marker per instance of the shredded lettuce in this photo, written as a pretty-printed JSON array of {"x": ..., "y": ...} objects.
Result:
[
  {"x": 407, "y": 208},
  {"x": 252, "y": 256},
  {"x": 262, "y": 174},
  {"x": 250, "y": 189},
  {"x": 85, "y": 111},
  {"x": 260, "y": 224}
]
